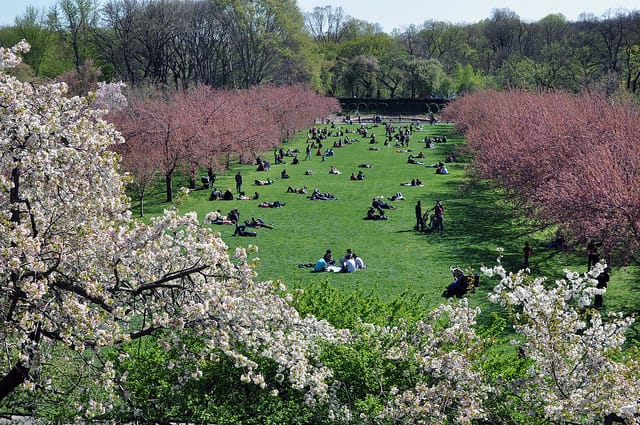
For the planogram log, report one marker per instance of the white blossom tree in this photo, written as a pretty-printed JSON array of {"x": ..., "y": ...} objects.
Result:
[
  {"x": 78, "y": 275},
  {"x": 579, "y": 369},
  {"x": 110, "y": 96}
]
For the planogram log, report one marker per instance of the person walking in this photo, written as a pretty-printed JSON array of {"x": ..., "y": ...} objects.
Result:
[
  {"x": 308, "y": 153},
  {"x": 238, "y": 182}
]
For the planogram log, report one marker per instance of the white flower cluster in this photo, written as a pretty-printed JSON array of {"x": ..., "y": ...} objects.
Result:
[
  {"x": 444, "y": 352},
  {"x": 579, "y": 371}
]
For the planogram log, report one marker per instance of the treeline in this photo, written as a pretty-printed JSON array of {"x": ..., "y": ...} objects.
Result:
[
  {"x": 239, "y": 44},
  {"x": 203, "y": 128}
]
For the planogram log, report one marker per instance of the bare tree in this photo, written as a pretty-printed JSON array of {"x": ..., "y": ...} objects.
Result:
[
  {"x": 76, "y": 20},
  {"x": 325, "y": 23}
]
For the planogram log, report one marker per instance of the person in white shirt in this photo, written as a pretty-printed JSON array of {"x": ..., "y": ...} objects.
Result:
[{"x": 359, "y": 262}]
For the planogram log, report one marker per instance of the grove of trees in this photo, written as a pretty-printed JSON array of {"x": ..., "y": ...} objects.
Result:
[
  {"x": 203, "y": 128},
  {"x": 238, "y": 44}
]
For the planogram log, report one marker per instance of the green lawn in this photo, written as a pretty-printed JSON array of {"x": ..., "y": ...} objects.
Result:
[{"x": 398, "y": 258}]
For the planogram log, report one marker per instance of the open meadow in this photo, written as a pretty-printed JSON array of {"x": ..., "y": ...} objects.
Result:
[{"x": 399, "y": 259}]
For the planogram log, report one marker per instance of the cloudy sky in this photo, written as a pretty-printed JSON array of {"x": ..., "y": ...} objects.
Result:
[{"x": 401, "y": 13}]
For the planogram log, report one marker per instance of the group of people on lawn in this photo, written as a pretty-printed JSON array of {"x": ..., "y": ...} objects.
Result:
[
  {"x": 433, "y": 222},
  {"x": 348, "y": 263}
]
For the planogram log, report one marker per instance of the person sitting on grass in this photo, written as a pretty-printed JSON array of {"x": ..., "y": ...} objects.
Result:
[
  {"x": 372, "y": 215},
  {"x": 242, "y": 231},
  {"x": 461, "y": 285},
  {"x": 227, "y": 195},
  {"x": 216, "y": 194},
  {"x": 234, "y": 215},
  {"x": 413, "y": 182},
  {"x": 320, "y": 266},
  {"x": 334, "y": 170},
  {"x": 441, "y": 168},
  {"x": 344, "y": 259},
  {"x": 360, "y": 175},
  {"x": 349, "y": 265},
  {"x": 284, "y": 175},
  {"x": 328, "y": 258}
]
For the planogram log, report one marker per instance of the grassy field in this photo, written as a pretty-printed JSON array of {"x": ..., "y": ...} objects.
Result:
[{"x": 398, "y": 258}]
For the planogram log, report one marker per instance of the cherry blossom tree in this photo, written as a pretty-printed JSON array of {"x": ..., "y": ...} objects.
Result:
[
  {"x": 161, "y": 126},
  {"x": 82, "y": 80},
  {"x": 140, "y": 161},
  {"x": 568, "y": 160},
  {"x": 203, "y": 127},
  {"x": 78, "y": 276}
]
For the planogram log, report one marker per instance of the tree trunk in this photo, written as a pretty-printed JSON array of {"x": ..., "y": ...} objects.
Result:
[
  {"x": 168, "y": 180},
  {"x": 141, "y": 199},
  {"x": 16, "y": 376}
]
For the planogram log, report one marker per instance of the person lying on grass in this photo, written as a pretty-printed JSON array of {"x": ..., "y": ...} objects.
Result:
[
  {"x": 411, "y": 160},
  {"x": 301, "y": 190},
  {"x": 257, "y": 223},
  {"x": 274, "y": 204},
  {"x": 216, "y": 217},
  {"x": 263, "y": 182},
  {"x": 242, "y": 231},
  {"x": 397, "y": 197},
  {"x": 248, "y": 198},
  {"x": 321, "y": 196},
  {"x": 380, "y": 204}
]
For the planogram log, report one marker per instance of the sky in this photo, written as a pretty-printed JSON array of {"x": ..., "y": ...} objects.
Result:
[{"x": 398, "y": 14}]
